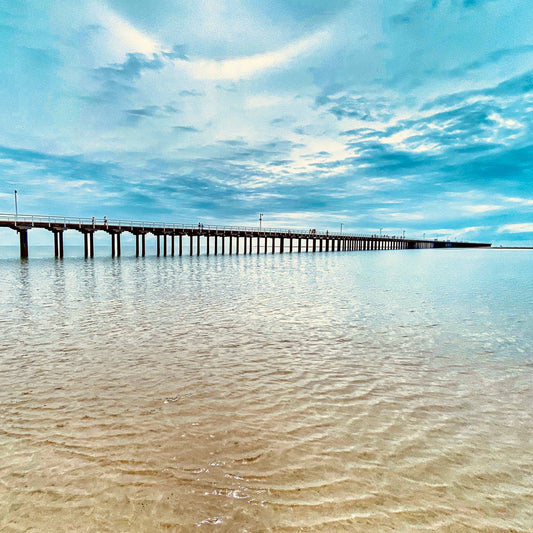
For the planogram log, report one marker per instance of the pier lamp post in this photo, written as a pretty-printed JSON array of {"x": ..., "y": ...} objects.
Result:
[
  {"x": 260, "y": 220},
  {"x": 342, "y": 224},
  {"x": 380, "y": 231},
  {"x": 16, "y": 205},
  {"x": 403, "y": 234}
]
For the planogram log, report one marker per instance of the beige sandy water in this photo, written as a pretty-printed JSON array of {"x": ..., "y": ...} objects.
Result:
[{"x": 386, "y": 391}]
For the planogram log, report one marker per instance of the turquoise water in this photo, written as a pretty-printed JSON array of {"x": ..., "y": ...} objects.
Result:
[{"x": 360, "y": 391}]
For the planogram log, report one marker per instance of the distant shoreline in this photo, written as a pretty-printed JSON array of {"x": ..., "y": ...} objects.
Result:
[{"x": 511, "y": 247}]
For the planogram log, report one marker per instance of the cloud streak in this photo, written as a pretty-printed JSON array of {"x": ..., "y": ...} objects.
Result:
[{"x": 246, "y": 67}]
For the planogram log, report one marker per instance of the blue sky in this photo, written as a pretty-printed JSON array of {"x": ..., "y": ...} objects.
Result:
[{"x": 410, "y": 115}]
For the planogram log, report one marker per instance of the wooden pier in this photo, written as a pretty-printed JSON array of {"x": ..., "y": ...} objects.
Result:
[{"x": 216, "y": 239}]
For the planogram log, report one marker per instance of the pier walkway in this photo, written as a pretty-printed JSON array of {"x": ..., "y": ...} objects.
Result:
[{"x": 216, "y": 239}]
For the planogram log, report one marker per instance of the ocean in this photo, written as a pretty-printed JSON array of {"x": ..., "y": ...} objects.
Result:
[{"x": 347, "y": 391}]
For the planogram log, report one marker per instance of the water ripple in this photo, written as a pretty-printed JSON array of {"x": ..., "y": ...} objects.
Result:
[{"x": 284, "y": 393}]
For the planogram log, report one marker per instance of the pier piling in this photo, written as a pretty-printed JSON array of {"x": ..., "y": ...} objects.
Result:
[{"x": 23, "y": 239}]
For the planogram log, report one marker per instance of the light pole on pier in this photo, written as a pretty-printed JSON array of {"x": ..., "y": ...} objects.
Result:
[
  {"x": 380, "y": 231},
  {"x": 403, "y": 231},
  {"x": 260, "y": 220},
  {"x": 342, "y": 224},
  {"x": 16, "y": 205}
]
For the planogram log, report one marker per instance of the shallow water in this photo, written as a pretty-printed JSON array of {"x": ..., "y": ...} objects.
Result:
[{"x": 362, "y": 391}]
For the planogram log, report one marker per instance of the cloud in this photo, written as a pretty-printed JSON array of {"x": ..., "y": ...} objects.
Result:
[
  {"x": 520, "y": 201},
  {"x": 198, "y": 68},
  {"x": 246, "y": 67},
  {"x": 125, "y": 38},
  {"x": 179, "y": 51},
  {"x": 524, "y": 227},
  {"x": 132, "y": 68},
  {"x": 184, "y": 129},
  {"x": 482, "y": 208},
  {"x": 516, "y": 86},
  {"x": 148, "y": 111}
]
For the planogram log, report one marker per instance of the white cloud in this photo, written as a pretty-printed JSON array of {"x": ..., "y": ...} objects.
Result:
[
  {"x": 526, "y": 227},
  {"x": 482, "y": 208},
  {"x": 406, "y": 216},
  {"x": 122, "y": 37},
  {"x": 383, "y": 181},
  {"x": 505, "y": 123},
  {"x": 520, "y": 201},
  {"x": 246, "y": 67}
]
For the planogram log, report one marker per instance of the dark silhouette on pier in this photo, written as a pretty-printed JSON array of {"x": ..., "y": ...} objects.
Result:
[{"x": 241, "y": 239}]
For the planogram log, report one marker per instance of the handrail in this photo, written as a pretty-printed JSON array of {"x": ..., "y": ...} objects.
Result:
[
  {"x": 124, "y": 224},
  {"x": 100, "y": 223}
]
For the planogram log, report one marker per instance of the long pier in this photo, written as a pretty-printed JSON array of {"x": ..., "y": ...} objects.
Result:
[{"x": 217, "y": 239}]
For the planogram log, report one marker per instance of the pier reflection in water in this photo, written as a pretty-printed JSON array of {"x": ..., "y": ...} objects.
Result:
[{"x": 356, "y": 392}]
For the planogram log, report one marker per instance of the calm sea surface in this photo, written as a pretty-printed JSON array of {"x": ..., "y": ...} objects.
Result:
[{"x": 357, "y": 391}]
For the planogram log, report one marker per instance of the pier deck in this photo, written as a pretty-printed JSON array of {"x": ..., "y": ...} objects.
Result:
[{"x": 217, "y": 239}]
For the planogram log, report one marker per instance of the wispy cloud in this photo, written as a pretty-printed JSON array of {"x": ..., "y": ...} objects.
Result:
[
  {"x": 525, "y": 227},
  {"x": 482, "y": 208},
  {"x": 124, "y": 37},
  {"x": 245, "y": 67}
]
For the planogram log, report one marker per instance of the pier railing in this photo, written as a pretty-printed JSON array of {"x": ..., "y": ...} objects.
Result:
[{"x": 55, "y": 221}]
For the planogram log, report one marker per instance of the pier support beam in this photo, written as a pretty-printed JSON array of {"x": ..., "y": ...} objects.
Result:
[
  {"x": 23, "y": 239},
  {"x": 143, "y": 242},
  {"x": 56, "y": 245},
  {"x": 115, "y": 244},
  {"x": 198, "y": 244}
]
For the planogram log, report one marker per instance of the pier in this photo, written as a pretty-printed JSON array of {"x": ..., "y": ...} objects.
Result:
[{"x": 216, "y": 240}]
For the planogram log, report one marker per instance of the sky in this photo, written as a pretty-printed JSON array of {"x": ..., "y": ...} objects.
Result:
[{"x": 399, "y": 115}]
